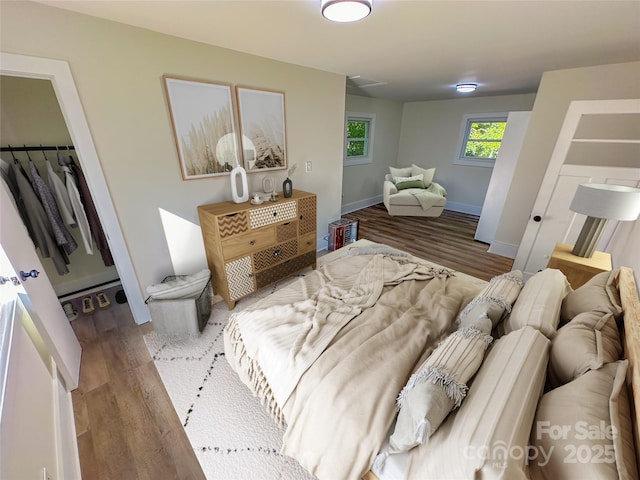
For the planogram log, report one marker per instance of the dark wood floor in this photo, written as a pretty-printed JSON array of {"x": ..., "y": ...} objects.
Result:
[
  {"x": 446, "y": 240},
  {"x": 126, "y": 426}
]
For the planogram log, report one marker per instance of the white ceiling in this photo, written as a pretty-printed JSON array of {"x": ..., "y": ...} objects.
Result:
[{"x": 414, "y": 49}]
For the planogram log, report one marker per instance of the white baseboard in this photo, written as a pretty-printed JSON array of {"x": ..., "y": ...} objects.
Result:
[
  {"x": 360, "y": 204},
  {"x": 463, "y": 208},
  {"x": 503, "y": 249}
]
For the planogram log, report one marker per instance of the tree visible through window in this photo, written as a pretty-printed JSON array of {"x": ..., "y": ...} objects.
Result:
[
  {"x": 359, "y": 138},
  {"x": 481, "y": 140}
]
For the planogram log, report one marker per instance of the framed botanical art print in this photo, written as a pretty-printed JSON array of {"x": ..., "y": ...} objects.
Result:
[
  {"x": 203, "y": 126},
  {"x": 262, "y": 128}
]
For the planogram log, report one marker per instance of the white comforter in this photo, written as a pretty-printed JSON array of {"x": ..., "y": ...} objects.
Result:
[{"x": 336, "y": 347}]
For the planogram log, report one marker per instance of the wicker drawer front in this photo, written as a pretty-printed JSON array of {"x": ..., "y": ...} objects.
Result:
[
  {"x": 232, "y": 224},
  {"x": 285, "y": 231},
  {"x": 284, "y": 269},
  {"x": 280, "y": 212},
  {"x": 307, "y": 243},
  {"x": 307, "y": 212},
  {"x": 239, "y": 278},
  {"x": 247, "y": 243},
  {"x": 274, "y": 255}
]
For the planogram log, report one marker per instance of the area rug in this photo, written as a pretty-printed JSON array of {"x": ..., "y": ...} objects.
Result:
[{"x": 229, "y": 430}]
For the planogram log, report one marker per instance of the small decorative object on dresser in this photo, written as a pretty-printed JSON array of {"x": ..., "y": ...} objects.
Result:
[
  {"x": 267, "y": 184},
  {"x": 244, "y": 196},
  {"x": 249, "y": 247},
  {"x": 287, "y": 185}
]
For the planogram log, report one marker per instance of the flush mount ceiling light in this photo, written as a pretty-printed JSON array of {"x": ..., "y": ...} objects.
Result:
[
  {"x": 466, "y": 87},
  {"x": 346, "y": 10}
]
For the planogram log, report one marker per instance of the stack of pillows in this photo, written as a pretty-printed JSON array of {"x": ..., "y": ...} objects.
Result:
[
  {"x": 583, "y": 421},
  {"x": 412, "y": 177},
  {"x": 579, "y": 426},
  {"x": 440, "y": 384}
]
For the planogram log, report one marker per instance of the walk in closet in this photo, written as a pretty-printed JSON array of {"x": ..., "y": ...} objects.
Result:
[{"x": 34, "y": 138}]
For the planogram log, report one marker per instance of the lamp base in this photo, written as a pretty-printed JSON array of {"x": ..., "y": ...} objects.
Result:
[{"x": 589, "y": 237}]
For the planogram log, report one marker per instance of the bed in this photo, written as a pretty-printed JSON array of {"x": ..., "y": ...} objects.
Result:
[{"x": 382, "y": 365}]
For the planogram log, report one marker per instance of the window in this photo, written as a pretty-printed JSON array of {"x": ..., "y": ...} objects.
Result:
[
  {"x": 480, "y": 139},
  {"x": 359, "y": 138}
]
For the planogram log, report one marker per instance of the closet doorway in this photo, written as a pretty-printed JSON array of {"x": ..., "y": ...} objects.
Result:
[
  {"x": 58, "y": 77},
  {"x": 31, "y": 117}
]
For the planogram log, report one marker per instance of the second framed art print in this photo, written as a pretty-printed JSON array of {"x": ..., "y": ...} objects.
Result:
[{"x": 262, "y": 129}]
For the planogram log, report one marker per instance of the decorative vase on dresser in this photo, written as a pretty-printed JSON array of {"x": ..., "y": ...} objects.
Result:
[{"x": 251, "y": 246}]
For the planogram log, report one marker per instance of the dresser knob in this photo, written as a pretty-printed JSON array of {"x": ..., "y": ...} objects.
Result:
[
  {"x": 252, "y": 243},
  {"x": 277, "y": 253},
  {"x": 275, "y": 214}
]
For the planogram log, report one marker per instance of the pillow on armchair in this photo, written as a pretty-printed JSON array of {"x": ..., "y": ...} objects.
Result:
[
  {"x": 416, "y": 181},
  {"x": 427, "y": 173},
  {"x": 400, "y": 172}
]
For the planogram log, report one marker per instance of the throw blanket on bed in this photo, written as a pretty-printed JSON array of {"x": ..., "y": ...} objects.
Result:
[
  {"x": 429, "y": 196},
  {"x": 287, "y": 333}
]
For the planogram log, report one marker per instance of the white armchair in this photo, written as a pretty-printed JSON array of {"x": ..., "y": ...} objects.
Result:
[{"x": 405, "y": 203}]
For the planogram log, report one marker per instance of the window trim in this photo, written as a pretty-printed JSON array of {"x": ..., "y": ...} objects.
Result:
[
  {"x": 365, "y": 159},
  {"x": 467, "y": 119}
]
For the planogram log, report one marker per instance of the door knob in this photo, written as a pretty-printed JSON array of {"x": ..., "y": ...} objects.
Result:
[
  {"x": 537, "y": 218},
  {"x": 25, "y": 276}
]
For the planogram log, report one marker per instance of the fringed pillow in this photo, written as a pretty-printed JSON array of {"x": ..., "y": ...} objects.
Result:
[
  {"x": 438, "y": 387},
  {"x": 495, "y": 300}
]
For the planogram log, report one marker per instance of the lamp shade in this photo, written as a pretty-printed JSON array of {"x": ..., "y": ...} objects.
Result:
[
  {"x": 346, "y": 10},
  {"x": 613, "y": 202}
]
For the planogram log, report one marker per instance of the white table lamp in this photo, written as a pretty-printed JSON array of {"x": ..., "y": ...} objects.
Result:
[{"x": 602, "y": 202}]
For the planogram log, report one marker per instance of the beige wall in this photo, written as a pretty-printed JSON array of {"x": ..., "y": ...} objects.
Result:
[
  {"x": 30, "y": 115},
  {"x": 557, "y": 90},
  {"x": 118, "y": 72},
  {"x": 362, "y": 184},
  {"x": 429, "y": 137}
]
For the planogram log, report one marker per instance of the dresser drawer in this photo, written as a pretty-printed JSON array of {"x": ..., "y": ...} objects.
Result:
[
  {"x": 285, "y": 269},
  {"x": 239, "y": 278},
  {"x": 247, "y": 243},
  {"x": 286, "y": 231},
  {"x": 232, "y": 224},
  {"x": 307, "y": 243},
  {"x": 276, "y": 213},
  {"x": 274, "y": 255},
  {"x": 307, "y": 215}
]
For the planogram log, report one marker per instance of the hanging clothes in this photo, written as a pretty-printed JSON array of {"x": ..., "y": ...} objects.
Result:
[
  {"x": 78, "y": 208},
  {"x": 90, "y": 209},
  {"x": 62, "y": 235},
  {"x": 57, "y": 187},
  {"x": 9, "y": 177},
  {"x": 43, "y": 236}
]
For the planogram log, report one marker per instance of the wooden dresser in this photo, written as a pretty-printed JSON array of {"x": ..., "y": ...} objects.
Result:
[{"x": 251, "y": 246}]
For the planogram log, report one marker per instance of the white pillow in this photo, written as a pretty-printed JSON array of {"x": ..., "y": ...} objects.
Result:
[
  {"x": 181, "y": 287},
  {"x": 400, "y": 172},
  {"x": 427, "y": 172}
]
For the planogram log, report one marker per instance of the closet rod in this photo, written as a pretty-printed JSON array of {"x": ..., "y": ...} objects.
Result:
[{"x": 37, "y": 149}]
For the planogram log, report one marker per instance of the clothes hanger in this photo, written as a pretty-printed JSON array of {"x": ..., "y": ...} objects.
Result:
[
  {"x": 15, "y": 160},
  {"x": 28, "y": 156}
]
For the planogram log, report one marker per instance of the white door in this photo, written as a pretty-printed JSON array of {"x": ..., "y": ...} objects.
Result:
[
  {"x": 503, "y": 169},
  {"x": 37, "y": 294},
  {"x": 37, "y": 433},
  {"x": 551, "y": 220}
]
